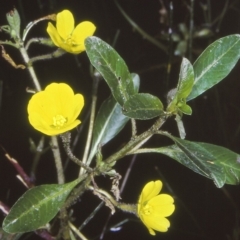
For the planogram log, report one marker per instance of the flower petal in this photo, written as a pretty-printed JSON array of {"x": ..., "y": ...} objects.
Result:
[
  {"x": 162, "y": 205},
  {"x": 63, "y": 96},
  {"x": 81, "y": 32},
  {"x": 38, "y": 123},
  {"x": 150, "y": 190},
  {"x": 52, "y": 31},
  {"x": 78, "y": 103},
  {"x": 43, "y": 104},
  {"x": 67, "y": 48},
  {"x": 158, "y": 224},
  {"x": 65, "y": 24}
]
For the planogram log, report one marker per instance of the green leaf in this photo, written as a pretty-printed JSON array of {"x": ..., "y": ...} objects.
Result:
[
  {"x": 215, "y": 63},
  {"x": 186, "y": 79},
  {"x": 184, "y": 87},
  {"x": 36, "y": 207},
  {"x": 109, "y": 122},
  {"x": 112, "y": 67},
  {"x": 215, "y": 162},
  {"x": 186, "y": 109},
  {"x": 143, "y": 106},
  {"x": 14, "y": 22}
]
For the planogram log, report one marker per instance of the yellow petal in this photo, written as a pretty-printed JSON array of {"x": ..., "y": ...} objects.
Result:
[
  {"x": 65, "y": 24},
  {"x": 43, "y": 104},
  {"x": 151, "y": 232},
  {"x": 63, "y": 98},
  {"x": 52, "y": 31},
  {"x": 78, "y": 104},
  {"x": 67, "y": 48},
  {"x": 162, "y": 205},
  {"x": 38, "y": 123},
  {"x": 150, "y": 190},
  {"x": 158, "y": 224},
  {"x": 81, "y": 32}
]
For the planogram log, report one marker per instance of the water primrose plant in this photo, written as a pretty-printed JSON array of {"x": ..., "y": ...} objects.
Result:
[{"x": 55, "y": 111}]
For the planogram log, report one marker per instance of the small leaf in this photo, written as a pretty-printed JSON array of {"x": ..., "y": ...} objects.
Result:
[
  {"x": 215, "y": 63},
  {"x": 36, "y": 207},
  {"x": 181, "y": 48},
  {"x": 136, "y": 82},
  {"x": 215, "y": 162},
  {"x": 184, "y": 87},
  {"x": 112, "y": 67},
  {"x": 186, "y": 79},
  {"x": 143, "y": 106},
  {"x": 186, "y": 109},
  {"x": 109, "y": 122},
  {"x": 14, "y": 22}
]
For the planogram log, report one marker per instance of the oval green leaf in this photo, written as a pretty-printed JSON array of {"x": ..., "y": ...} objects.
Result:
[
  {"x": 215, "y": 162},
  {"x": 215, "y": 63},
  {"x": 36, "y": 207},
  {"x": 112, "y": 67},
  {"x": 143, "y": 106}
]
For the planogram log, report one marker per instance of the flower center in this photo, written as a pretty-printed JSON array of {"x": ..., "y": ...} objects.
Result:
[
  {"x": 59, "y": 121},
  {"x": 147, "y": 210},
  {"x": 70, "y": 42}
]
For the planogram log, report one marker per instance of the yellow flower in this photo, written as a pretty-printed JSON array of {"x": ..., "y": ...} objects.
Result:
[
  {"x": 153, "y": 208},
  {"x": 54, "y": 110},
  {"x": 66, "y": 36}
]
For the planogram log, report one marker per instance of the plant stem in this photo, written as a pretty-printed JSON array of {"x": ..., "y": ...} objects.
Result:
[
  {"x": 54, "y": 142},
  {"x": 77, "y": 232},
  {"x": 96, "y": 78},
  {"x": 123, "y": 206},
  {"x": 135, "y": 143},
  {"x": 57, "y": 158},
  {"x": 30, "y": 69},
  {"x": 66, "y": 138},
  {"x": 140, "y": 30}
]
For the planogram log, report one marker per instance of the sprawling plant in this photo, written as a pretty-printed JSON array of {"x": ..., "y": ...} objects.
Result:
[{"x": 55, "y": 111}]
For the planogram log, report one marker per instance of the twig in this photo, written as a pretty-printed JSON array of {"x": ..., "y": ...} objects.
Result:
[
  {"x": 76, "y": 231},
  {"x": 66, "y": 138},
  {"x": 141, "y": 31},
  {"x": 96, "y": 78},
  {"x": 57, "y": 159},
  {"x": 23, "y": 177}
]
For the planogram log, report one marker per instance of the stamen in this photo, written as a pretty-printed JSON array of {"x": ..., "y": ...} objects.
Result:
[
  {"x": 59, "y": 121},
  {"x": 147, "y": 210}
]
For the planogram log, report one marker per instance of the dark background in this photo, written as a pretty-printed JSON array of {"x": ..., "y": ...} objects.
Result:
[{"x": 202, "y": 210}]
